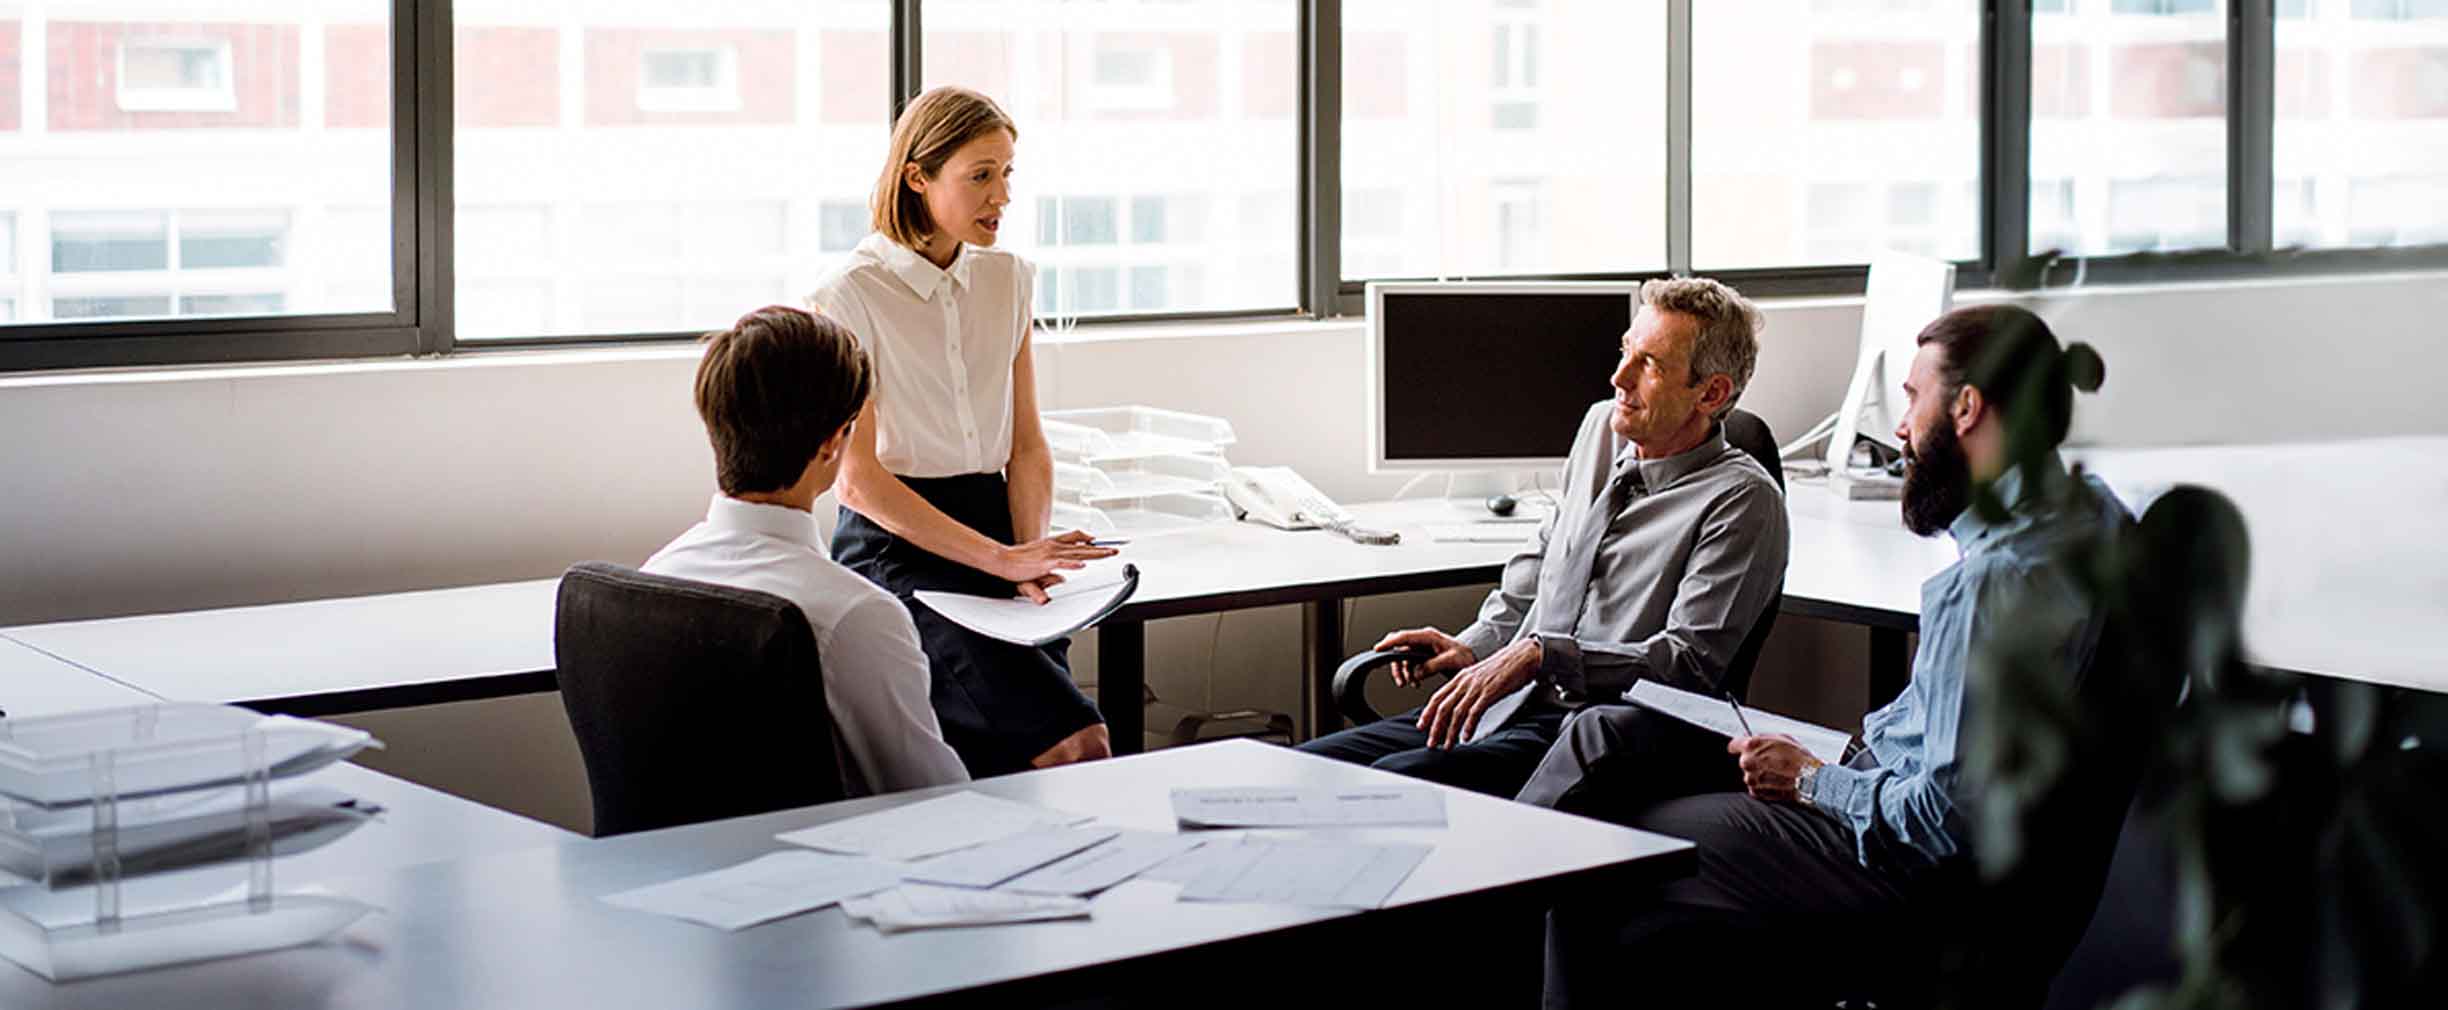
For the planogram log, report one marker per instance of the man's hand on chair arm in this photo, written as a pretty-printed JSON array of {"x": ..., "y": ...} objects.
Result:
[{"x": 1454, "y": 711}]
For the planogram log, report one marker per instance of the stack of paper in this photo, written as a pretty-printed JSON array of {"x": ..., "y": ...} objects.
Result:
[
  {"x": 1718, "y": 714},
  {"x": 1129, "y": 854},
  {"x": 925, "y": 906},
  {"x": 1325, "y": 874},
  {"x": 763, "y": 889},
  {"x": 1308, "y": 806},
  {"x": 929, "y": 827},
  {"x": 997, "y": 861},
  {"x": 1087, "y": 597}
]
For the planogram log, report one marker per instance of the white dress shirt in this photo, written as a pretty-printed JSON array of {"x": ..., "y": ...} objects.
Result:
[
  {"x": 943, "y": 342},
  {"x": 875, "y": 677}
]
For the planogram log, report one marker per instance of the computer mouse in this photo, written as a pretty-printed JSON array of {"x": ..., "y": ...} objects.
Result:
[{"x": 1501, "y": 504}]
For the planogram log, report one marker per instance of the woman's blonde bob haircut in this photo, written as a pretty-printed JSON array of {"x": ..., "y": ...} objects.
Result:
[{"x": 934, "y": 126}]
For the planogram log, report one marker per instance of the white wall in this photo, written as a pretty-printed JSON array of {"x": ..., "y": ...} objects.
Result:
[{"x": 139, "y": 492}]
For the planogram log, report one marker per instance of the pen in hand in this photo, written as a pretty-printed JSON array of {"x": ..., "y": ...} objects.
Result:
[{"x": 1738, "y": 712}]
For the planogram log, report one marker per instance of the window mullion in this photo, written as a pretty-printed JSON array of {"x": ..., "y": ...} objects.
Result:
[
  {"x": 2006, "y": 143},
  {"x": 2252, "y": 52},
  {"x": 424, "y": 199},
  {"x": 1321, "y": 156},
  {"x": 1678, "y": 136},
  {"x": 906, "y": 56}
]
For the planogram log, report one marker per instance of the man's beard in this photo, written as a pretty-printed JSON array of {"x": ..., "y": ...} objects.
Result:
[{"x": 1939, "y": 483}]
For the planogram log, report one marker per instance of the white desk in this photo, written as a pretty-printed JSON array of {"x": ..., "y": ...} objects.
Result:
[
  {"x": 2349, "y": 573},
  {"x": 33, "y": 684},
  {"x": 323, "y": 657}
]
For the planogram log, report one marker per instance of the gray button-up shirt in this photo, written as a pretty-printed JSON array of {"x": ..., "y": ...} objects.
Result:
[{"x": 1682, "y": 569}]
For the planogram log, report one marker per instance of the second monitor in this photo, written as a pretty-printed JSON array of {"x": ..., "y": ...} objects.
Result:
[{"x": 1484, "y": 377}]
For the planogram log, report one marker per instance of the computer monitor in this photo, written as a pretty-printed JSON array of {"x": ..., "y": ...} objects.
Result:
[
  {"x": 1905, "y": 292},
  {"x": 1488, "y": 376}
]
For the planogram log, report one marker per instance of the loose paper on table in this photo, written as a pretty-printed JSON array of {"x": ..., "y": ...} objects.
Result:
[
  {"x": 1718, "y": 714},
  {"x": 1086, "y": 597},
  {"x": 763, "y": 889},
  {"x": 1004, "y": 858},
  {"x": 925, "y": 906},
  {"x": 1308, "y": 806},
  {"x": 1322, "y": 874},
  {"x": 1127, "y": 855},
  {"x": 928, "y": 827}
]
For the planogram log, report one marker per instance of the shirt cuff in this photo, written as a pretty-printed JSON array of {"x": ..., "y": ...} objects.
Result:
[
  {"x": 1832, "y": 788},
  {"x": 1482, "y": 639},
  {"x": 1560, "y": 661}
]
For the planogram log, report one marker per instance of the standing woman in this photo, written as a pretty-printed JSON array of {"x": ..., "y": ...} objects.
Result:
[{"x": 948, "y": 483}]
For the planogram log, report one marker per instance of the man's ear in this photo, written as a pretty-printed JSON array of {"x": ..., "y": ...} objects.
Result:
[
  {"x": 1715, "y": 393},
  {"x": 1965, "y": 412}
]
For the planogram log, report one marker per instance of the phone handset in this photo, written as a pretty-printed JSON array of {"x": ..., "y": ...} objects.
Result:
[{"x": 1279, "y": 497}]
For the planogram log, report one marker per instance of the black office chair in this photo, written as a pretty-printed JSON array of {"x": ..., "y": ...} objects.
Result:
[
  {"x": 691, "y": 702},
  {"x": 1743, "y": 430}
]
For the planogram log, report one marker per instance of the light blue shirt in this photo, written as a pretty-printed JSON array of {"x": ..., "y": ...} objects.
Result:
[{"x": 1901, "y": 800}]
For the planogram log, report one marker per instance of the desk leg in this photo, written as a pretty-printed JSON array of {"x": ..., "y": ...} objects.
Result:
[
  {"x": 1122, "y": 683},
  {"x": 1322, "y": 630},
  {"x": 1890, "y": 666}
]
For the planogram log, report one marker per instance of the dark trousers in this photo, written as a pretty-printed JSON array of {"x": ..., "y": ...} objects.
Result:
[
  {"x": 1496, "y": 765},
  {"x": 1000, "y": 705},
  {"x": 1776, "y": 904}
]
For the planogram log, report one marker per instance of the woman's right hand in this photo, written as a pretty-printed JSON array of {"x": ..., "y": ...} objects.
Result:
[{"x": 1039, "y": 558}]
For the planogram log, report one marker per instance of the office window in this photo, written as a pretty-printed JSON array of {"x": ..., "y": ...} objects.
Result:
[
  {"x": 1148, "y": 290},
  {"x": 209, "y": 239},
  {"x": 843, "y": 223},
  {"x": 176, "y": 75},
  {"x": 232, "y": 305},
  {"x": 1131, "y": 117},
  {"x": 110, "y": 264},
  {"x": 172, "y": 144},
  {"x": 2399, "y": 10},
  {"x": 688, "y": 80},
  {"x": 8, "y": 244},
  {"x": 8, "y": 309},
  {"x": 1433, "y": 178},
  {"x": 1148, "y": 220},
  {"x": 2146, "y": 154},
  {"x": 640, "y": 169},
  {"x": 98, "y": 241},
  {"x": 2360, "y": 108},
  {"x": 110, "y": 307},
  {"x": 1823, "y": 137}
]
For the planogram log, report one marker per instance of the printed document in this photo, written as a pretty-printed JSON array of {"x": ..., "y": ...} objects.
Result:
[
  {"x": 763, "y": 889},
  {"x": 1322, "y": 874},
  {"x": 1000, "y": 860},
  {"x": 927, "y": 827},
  {"x": 1186, "y": 867},
  {"x": 1308, "y": 806},
  {"x": 1718, "y": 714},
  {"x": 925, "y": 906},
  {"x": 1127, "y": 855},
  {"x": 1084, "y": 598}
]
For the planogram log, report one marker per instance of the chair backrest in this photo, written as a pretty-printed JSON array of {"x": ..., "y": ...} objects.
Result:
[
  {"x": 1745, "y": 431},
  {"x": 2028, "y": 923},
  {"x": 691, "y": 702}
]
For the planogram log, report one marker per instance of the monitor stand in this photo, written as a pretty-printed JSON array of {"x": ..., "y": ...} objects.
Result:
[{"x": 1468, "y": 491}]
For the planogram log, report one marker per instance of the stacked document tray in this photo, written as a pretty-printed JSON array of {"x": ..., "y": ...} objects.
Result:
[
  {"x": 1137, "y": 470},
  {"x": 128, "y": 830}
]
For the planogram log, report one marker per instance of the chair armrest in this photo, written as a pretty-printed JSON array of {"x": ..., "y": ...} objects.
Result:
[{"x": 1351, "y": 681}]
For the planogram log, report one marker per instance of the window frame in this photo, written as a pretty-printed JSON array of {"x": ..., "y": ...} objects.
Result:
[{"x": 423, "y": 204}]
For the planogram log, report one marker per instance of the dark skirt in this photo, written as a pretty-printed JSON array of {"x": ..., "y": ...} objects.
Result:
[{"x": 1000, "y": 704}]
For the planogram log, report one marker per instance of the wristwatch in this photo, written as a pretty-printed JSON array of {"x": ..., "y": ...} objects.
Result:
[{"x": 1804, "y": 778}]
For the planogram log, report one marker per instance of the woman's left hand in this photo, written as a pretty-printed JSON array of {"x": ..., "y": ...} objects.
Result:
[{"x": 1035, "y": 589}]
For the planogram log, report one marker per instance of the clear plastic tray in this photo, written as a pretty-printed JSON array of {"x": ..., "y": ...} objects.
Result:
[
  {"x": 1106, "y": 433},
  {"x": 1071, "y": 515},
  {"x": 1141, "y": 476},
  {"x": 1130, "y": 515},
  {"x": 147, "y": 750},
  {"x": 60, "y": 952},
  {"x": 54, "y": 847}
]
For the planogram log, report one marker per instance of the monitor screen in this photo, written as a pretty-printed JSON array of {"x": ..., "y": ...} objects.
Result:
[{"x": 1496, "y": 377}]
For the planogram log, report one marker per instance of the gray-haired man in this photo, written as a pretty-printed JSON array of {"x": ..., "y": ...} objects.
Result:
[{"x": 1665, "y": 546}]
